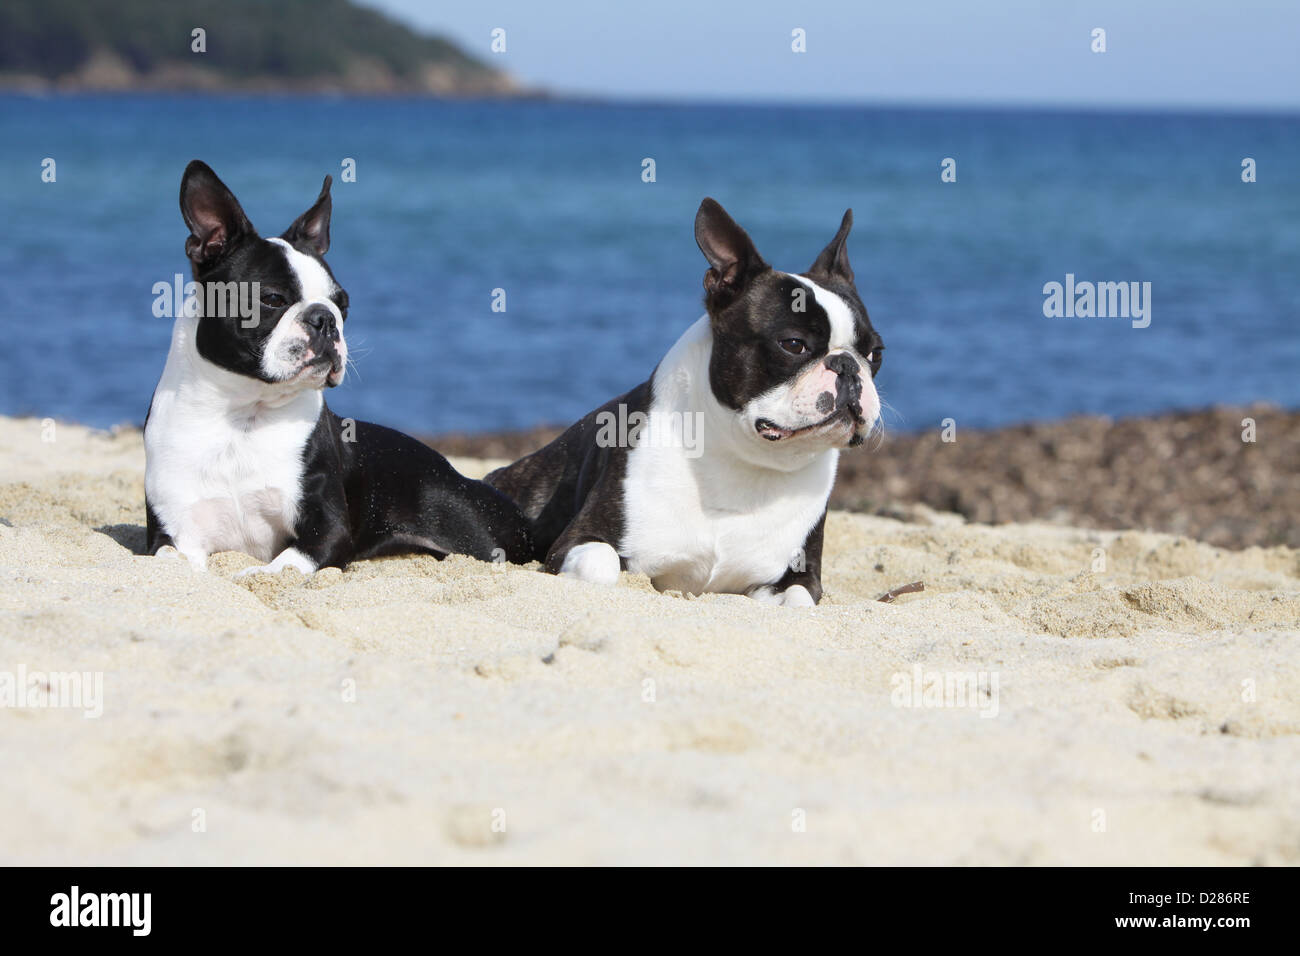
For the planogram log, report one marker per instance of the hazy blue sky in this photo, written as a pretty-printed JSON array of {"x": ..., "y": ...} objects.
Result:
[{"x": 1225, "y": 53}]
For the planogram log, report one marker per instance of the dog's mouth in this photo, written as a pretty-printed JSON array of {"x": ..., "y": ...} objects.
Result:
[
  {"x": 335, "y": 376},
  {"x": 327, "y": 367},
  {"x": 333, "y": 367},
  {"x": 848, "y": 415}
]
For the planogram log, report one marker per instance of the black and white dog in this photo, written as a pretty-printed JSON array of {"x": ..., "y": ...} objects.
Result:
[
  {"x": 242, "y": 453},
  {"x": 721, "y": 481}
]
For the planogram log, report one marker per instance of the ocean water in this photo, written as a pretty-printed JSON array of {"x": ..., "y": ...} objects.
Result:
[{"x": 600, "y": 269}]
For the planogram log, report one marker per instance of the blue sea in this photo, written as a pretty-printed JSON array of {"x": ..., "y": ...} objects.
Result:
[{"x": 546, "y": 201}]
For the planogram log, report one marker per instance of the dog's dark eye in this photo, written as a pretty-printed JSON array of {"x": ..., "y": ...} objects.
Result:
[
  {"x": 273, "y": 300},
  {"x": 874, "y": 358},
  {"x": 794, "y": 346}
]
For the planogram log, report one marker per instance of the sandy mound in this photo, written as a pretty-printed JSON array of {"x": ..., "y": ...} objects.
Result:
[{"x": 1055, "y": 695}]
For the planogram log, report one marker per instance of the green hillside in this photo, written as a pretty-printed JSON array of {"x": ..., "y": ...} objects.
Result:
[{"x": 251, "y": 44}]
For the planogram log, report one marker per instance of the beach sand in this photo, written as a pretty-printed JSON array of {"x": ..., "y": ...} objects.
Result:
[{"x": 1136, "y": 699}]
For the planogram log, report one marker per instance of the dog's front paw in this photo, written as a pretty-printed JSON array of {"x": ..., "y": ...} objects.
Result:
[
  {"x": 594, "y": 561},
  {"x": 167, "y": 552},
  {"x": 288, "y": 558},
  {"x": 796, "y": 595}
]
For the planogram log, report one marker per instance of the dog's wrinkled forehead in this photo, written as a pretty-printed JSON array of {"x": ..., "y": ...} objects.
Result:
[
  {"x": 825, "y": 310},
  {"x": 276, "y": 264},
  {"x": 263, "y": 261},
  {"x": 306, "y": 278},
  {"x": 850, "y": 326}
]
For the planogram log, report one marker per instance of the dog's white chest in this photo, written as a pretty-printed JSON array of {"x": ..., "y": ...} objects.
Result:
[
  {"x": 701, "y": 524},
  {"x": 222, "y": 483}
]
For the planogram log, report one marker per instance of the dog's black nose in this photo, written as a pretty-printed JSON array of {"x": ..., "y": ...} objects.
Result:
[
  {"x": 848, "y": 385},
  {"x": 842, "y": 363},
  {"x": 320, "y": 319}
]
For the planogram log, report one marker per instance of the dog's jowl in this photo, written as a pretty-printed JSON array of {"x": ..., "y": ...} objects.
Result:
[
  {"x": 242, "y": 453},
  {"x": 714, "y": 474}
]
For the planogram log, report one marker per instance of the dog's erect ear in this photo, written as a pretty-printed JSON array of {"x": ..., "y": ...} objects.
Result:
[
  {"x": 312, "y": 228},
  {"x": 834, "y": 260},
  {"x": 732, "y": 256},
  {"x": 212, "y": 212}
]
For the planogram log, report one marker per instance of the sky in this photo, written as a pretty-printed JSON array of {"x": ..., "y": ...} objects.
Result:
[{"x": 1222, "y": 54}]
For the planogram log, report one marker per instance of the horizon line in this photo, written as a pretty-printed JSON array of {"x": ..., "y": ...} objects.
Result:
[{"x": 538, "y": 95}]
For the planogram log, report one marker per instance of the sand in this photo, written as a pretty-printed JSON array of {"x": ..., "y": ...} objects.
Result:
[{"x": 1134, "y": 699}]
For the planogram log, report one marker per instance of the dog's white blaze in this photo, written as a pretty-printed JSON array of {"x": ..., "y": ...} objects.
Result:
[
  {"x": 278, "y": 354},
  {"x": 312, "y": 278},
  {"x": 728, "y": 519},
  {"x": 843, "y": 327}
]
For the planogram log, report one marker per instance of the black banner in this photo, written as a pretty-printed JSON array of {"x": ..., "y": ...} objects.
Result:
[{"x": 980, "y": 907}]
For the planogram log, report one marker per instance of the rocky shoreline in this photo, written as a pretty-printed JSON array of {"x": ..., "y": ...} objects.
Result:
[{"x": 1188, "y": 473}]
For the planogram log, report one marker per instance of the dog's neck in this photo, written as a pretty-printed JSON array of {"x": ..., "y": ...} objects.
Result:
[{"x": 195, "y": 381}]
